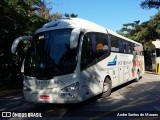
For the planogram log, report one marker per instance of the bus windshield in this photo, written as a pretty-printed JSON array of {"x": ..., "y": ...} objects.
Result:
[{"x": 50, "y": 55}]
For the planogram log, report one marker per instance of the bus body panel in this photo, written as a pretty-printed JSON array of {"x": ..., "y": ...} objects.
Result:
[
  {"x": 52, "y": 88},
  {"x": 120, "y": 73}
]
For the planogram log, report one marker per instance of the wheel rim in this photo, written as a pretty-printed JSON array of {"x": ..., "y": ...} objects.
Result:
[
  {"x": 105, "y": 87},
  {"x": 138, "y": 76}
]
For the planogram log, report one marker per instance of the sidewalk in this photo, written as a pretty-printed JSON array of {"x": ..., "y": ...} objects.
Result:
[{"x": 150, "y": 72}]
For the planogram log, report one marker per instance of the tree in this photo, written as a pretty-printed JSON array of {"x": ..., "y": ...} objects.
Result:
[
  {"x": 17, "y": 18},
  {"x": 55, "y": 16},
  {"x": 73, "y": 15},
  {"x": 144, "y": 32},
  {"x": 70, "y": 15},
  {"x": 148, "y": 4},
  {"x": 66, "y": 15},
  {"x": 129, "y": 29},
  {"x": 44, "y": 11}
]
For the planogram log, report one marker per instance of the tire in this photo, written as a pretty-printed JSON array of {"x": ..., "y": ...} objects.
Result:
[
  {"x": 106, "y": 88},
  {"x": 137, "y": 76}
]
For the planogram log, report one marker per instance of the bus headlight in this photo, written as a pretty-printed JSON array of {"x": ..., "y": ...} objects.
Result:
[{"x": 72, "y": 87}]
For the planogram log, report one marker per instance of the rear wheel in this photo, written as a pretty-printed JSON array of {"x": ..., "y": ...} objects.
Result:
[
  {"x": 138, "y": 76},
  {"x": 106, "y": 88}
]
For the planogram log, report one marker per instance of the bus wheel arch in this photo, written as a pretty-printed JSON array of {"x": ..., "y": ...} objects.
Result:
[{"x": 107, "y": 86}]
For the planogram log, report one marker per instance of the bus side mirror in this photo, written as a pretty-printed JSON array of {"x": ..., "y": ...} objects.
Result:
[
  {"x": 74, "y": 38},
  {"x": 16, "y": 42}
]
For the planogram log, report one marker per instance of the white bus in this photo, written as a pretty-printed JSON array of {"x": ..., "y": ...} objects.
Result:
[{"x": 71, "y": 60}]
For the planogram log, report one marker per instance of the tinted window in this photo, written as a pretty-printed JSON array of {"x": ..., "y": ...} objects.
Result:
[
  {"x": 121, "y": 46},
  {"x": 94, "y": 47},
  {"x": 158, "y": 52},
  {"x": 127, "y": 48},
  {"x": 50, "y": 55},
  {"x": 114, "y": 44}
]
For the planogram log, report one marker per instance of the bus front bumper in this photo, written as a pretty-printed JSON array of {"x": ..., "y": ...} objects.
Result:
[{"x": 51, "y": 96}]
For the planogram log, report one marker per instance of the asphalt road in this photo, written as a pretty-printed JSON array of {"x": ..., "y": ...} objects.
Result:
[{"x": 130, "y": 101}]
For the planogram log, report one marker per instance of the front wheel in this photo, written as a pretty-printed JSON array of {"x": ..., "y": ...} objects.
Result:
[{"x": 106, "y": 88}]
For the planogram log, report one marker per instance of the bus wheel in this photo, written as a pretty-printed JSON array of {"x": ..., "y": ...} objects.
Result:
[
  {"x": 138, "y": 76},
  {"x": 106, "y": 88}
]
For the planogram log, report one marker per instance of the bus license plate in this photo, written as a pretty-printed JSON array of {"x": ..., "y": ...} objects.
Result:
[{"x": 41, "y": 82}]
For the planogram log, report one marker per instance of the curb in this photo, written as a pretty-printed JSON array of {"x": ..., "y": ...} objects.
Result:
[
  {"x": 152, "y": 72},
  {"x": 5, "y": 92}
]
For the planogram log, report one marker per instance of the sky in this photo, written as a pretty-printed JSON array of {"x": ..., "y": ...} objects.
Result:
[{"x": 111, "y": 14}]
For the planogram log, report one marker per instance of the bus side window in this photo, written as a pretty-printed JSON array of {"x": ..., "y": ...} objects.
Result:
[
  {"x": 101, "y": 40},
  {"x": 94, "y": 46},
  {"x": 126, "y": 47},
  {"x": 132, "y": 48},
  {"x": 101, "y": 45},
  {"x": 86, "y": 51},
  {"x": 120, "y": 45},
  {"x": 129, "y": 48},
  {"x": 114, "y": 44}
]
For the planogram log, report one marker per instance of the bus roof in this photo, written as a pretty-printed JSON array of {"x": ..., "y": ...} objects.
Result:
[
  {"x": 72, "y": 23},
  {"x": 84, "y": 25}
]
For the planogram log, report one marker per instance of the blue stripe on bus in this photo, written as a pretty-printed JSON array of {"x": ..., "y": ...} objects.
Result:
[{"x": 113, "y": 62}]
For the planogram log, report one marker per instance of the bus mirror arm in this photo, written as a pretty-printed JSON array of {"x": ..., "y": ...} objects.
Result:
[{"x": 16, "y": 42}]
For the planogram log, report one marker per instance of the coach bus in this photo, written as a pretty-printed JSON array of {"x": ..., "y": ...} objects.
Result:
[{"x": 70, "y": 60}]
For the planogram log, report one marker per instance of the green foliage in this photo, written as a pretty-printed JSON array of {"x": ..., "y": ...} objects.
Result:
[
  {"x": 17, "y": 19},
  {"x": 55, "y": 16},
  {"x": 73, "y": 15},
  {"x": 148, "y": 4},
  {"x": 70, "y": 15},
  {"x": 144, "y": 32}
]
